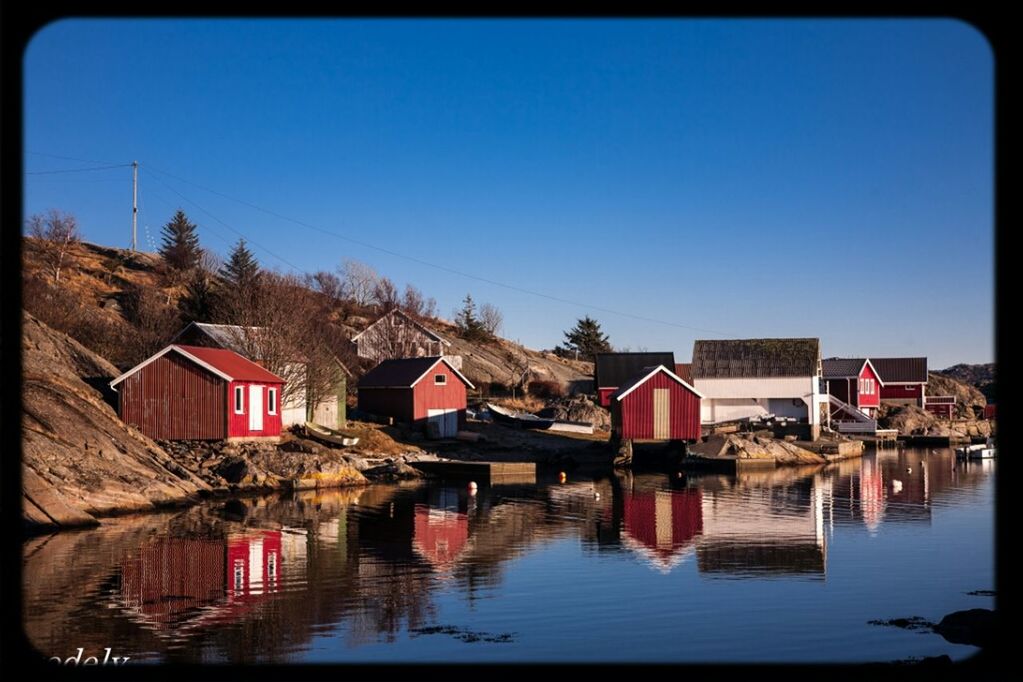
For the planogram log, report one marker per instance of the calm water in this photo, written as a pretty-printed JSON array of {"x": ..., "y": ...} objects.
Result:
[{"x": 786, "y": 565}]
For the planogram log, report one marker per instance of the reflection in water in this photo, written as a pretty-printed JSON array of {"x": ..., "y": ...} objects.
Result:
[{"x": 263, "y": 579}]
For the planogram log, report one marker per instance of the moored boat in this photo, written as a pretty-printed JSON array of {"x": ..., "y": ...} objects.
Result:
[
  {"x": 329, "y": 435},
  {"x": 522, "y": 419},
  {"x": 978, "y": 451}
]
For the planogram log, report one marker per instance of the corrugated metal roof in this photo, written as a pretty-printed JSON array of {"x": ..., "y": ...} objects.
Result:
[
  {"x": 835, "y": 368},
  {"x": 901, "y": 370},
  {"x": 684, "y": 370},
  {"x": 403, "y": 372},
  {"x": 230, "y": 336},
  {"x": 232, "y": 364},
  {"x": 611, "y": 370},
  {"x": 753, "y": 358}
]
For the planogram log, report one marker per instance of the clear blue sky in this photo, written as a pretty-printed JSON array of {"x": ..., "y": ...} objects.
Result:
[{"x": 751, "y": 178}]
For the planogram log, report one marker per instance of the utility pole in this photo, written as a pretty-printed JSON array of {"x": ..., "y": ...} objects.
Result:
[{"x": 134, "y": 202}]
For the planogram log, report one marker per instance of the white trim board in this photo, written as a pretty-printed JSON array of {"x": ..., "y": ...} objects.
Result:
[{"x": 655, "y": 370}]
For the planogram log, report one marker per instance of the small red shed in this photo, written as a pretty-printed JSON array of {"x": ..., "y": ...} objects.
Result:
[
  {"x": 427, "y": 392},
  {"x": 656, "y": 405},
  {"x": 195, "y": 393}
]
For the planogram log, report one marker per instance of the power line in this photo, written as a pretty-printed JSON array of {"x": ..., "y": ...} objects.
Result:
[
  {"x": 77, "y": 170},
  {"x": 437, "y": 266},
  {"x": 239, "y": 233}
]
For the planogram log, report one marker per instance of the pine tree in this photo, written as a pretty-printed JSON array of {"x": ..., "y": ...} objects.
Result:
[
  {"x": 241, "y": 268},
  {"x": 469, "y": 325},
  {"x": 200, "y": 298},
  {"x": 584, "y": 340},
  {"x": 180, "y": 248}
]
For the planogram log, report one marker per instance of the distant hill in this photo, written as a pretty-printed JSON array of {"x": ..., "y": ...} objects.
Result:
[{"x": 981, "y": 377}]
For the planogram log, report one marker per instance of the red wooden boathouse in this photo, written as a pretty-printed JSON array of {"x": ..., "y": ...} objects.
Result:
[
  {"x": 194, "y": 393},
  {"x": 426, "y": 392},
  {"x": 854, "y": 381},
  {"x": 656, "y": 405}
]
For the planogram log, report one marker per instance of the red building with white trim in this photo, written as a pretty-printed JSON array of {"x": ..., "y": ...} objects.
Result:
[
  {"x": 853, "y": 381},
  {"x": 426, "y": 392},
  {"x": 904, "y": 380},
  {"x": 612, "y": 370},
  {"x": 656, "y": 405},
  {"x": 195, "y": 393}
]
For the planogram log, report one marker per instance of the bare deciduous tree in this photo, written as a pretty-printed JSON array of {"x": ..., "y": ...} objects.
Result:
[
  {"x": 56, "y": 232},
  {"x": 416, "y": 305},
  {"x": 491, "y": 318},
  {"x": 358, "y": 281},
  {"x": 154, "y": 322},
  {"x": 286, "y": 328},
  {"x": 385, "y": 295}
]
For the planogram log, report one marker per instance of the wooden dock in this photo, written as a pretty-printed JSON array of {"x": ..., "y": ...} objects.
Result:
[
  {"x": 833, "y": 450},
  {"x": 483, "y": 473}
]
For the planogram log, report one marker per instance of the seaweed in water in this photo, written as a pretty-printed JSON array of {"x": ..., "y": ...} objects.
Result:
[
  {"x": 912, "y": 623},
  {"x": 463, "y": 634}
]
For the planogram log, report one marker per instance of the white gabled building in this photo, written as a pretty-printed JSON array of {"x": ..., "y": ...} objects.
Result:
[{"x": 743, "y": 378}]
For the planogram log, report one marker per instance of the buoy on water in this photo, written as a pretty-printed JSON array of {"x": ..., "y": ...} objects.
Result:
[
  {"x": 596, "y": 495},
  {"x": 472, "y": 487},
  {"x": 562, "y": 477},
  {"x": 909, "y": 470}
]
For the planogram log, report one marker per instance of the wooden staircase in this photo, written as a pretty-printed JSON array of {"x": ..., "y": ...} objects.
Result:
[{"x": 848, "y": 419}]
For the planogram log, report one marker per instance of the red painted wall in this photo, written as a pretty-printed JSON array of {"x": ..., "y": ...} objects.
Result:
[
  {"x": 989, "y": 411},
  {"x": 238, "y": 555},
  {"x": 902, "y": 392},
  {"x": 868, "y": 399},
  {"x": 604, "y": 396},
  {"x": 172, "y": 398},
  {"x": 429, "y": 396},
  {"x": 633, "y": 416},
  {"x": 238, "y": 424}
]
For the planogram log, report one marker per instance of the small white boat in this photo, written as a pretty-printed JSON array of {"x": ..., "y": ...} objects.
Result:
[
  {"x": 329, "y": 435},
  {"x": 978, "y": 451}
]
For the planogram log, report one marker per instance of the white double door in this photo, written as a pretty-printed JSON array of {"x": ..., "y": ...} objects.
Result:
[{"x": 446, "y": 421}]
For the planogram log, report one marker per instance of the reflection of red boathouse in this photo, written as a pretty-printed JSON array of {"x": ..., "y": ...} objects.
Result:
[
  {"x": 253, "y": 563},
  {"x": 172, "y": 581},
  {"x": 440, "y": 535},
  {"x": 661, "y": 525}
]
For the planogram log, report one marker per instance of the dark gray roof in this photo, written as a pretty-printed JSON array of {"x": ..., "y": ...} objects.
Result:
[
  {"x": 228, "y": 336},
  {"x": 611, "y": 370},
  {"x": 901, "y": 370},
  {"x": 750, "y": 358},
  {"x": 401, "y": 373},
  {"x": 835, "y": 368}
]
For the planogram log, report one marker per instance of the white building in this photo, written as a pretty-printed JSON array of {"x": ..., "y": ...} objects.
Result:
[{"x": 743, "y": 378}]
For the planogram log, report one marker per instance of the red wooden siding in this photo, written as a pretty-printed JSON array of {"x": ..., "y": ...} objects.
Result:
[
  {"x": 902, "y": 392},
  {"x": 174, "y": 399},
  {"x": 171, "y": 575},
  {"x": 430, "y": 396},
  {"x": 604, "y": 396},
  {"x": 245, "y": 579},
  {"x": 238, "y": 424},
  {"x": 868, "y": 399},
  {"x": 989, "y": 411},
  {"x": 387, "y": 402},
  {"x": 633, "y": 416}
]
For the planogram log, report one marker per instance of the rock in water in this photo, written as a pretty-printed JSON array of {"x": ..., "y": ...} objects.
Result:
[{"x": 973, "y": 626}]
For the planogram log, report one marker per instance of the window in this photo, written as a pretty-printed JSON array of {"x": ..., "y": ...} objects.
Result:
[
  {"x": 271, "y": 401},
  {"x": 440, "y": 379},
  {"x": 239, "y": 406}
]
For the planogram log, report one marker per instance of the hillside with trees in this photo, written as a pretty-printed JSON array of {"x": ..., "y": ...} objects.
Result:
[{"x": 125, "y": 306}]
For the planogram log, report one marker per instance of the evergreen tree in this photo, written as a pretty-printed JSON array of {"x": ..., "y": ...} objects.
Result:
[
  {"x": 180, "y": 248},
  {"x": 200, "y": 298},
  {"x": 241, "y": 268},
  {"x": 584, "y": 340},
  {"x": 469, "y": 325}
]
